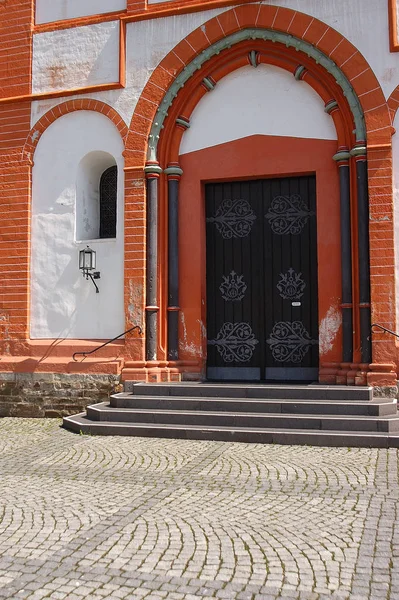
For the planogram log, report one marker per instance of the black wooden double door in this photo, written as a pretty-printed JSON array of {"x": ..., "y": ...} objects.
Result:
[{"x": 261, "y": 272}]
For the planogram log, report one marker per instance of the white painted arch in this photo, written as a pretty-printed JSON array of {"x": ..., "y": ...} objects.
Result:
[
  {"x": 63, "y": 304},
  {"x": 262, "y": 101}
]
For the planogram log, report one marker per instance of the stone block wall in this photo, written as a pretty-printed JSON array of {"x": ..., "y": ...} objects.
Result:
[{"x": 52, "y": 394}]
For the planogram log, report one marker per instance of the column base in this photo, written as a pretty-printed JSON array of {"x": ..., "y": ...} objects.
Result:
[
  {"x": 161, "y": 371},
  {"x": 378, "y": 375}
]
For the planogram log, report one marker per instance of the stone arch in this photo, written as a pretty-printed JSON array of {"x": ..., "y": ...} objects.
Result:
[
  {"x": 168, "y": 126},
  {"x": 63, "y": 109}
]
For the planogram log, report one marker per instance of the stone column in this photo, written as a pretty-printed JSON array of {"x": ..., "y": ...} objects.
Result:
[
  {"x": 360, "y": 155},
  {"x": 173, "y": 173},
  {"x": 152, "y": 171},
  {"x": 342, "y": 159}
]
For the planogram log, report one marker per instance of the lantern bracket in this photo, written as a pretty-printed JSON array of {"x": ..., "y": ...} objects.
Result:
[{"x": 93, "y": 276}]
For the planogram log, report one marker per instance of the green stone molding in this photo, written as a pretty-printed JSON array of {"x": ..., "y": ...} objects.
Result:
[
  {"x": 359, "y": 151},
  {"x": 208, "y": 83},
  {"x": 299, "y": 72},
  {"x": 173, "y": 171},
  {"x": 329, "y": 107},
  {"x": 183, "y": 122},
  {"x": 153, "y": 170},
  {"x": 253, "y": 58},
  {"x": 342, "y": 155},
  {"x": 255, "y": 34}
]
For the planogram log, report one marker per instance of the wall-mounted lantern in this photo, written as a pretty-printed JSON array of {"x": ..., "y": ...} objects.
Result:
[{"x": 87, "y": 264}]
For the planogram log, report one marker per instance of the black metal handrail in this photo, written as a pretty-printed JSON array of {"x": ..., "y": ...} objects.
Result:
[
  {"x": 384, "y": 329},
  {"x": 108, "y": 342}
]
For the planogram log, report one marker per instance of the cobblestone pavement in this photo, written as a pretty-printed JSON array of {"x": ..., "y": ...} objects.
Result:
[{"x": 129, "y": 518}]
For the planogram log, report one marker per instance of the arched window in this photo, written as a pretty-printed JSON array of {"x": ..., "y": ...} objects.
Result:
[
  {"x": 96, "y": 197},
  {"x": 108, "y": 195}
]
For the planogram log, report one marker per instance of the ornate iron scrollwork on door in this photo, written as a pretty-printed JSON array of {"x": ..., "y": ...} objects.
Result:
[
  {"x": 233, "y": 219},
  {"x": 235, "y": 342},
  {"x": 233, "y": 287},
  {"x": 290, "y": 341},
  {"x": 291, "y": 285},
  {"x": 288, "y": 214}
]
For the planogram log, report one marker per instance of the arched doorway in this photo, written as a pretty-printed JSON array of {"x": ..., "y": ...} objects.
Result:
[
  {"x": 285, "y": 343},
  {"x": 258, "y": 144},
  {"x": 166, "y": 323}
]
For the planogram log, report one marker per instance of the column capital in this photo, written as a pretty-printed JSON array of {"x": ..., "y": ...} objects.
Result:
[
  {"x": 330, "y": 106},
  {"x": 359, "y": 152},
  {"x": 184, "y": 122},
  {"x": 253, "y": 58},
  {"x": 173, "y": 171},
  {"x": 300, "y": 72},
  {"x": 209, "y": 83},
  {"x": 152, "y": 169},
  {"x": 342, "y": 157}
]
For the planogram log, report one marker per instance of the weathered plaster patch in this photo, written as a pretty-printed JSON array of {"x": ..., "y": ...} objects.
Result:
[
  {"x": 5, "y": 322},
  {"x": 329, "y": 327},
  {"x": 184, "y": 345},
  {"x": 378, "y": 219},
  {"x": 135, "y": 313},
  {"x": 203, "y": 328},
  {"x": 95, "y": 61},
  {"x": 183, "y": 341}
]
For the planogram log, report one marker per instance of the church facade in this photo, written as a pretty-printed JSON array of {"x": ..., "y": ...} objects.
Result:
[{"x": 211, "y": 185}]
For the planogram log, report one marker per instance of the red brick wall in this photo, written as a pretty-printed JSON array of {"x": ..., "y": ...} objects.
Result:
[{"x": 16, "y": 23}]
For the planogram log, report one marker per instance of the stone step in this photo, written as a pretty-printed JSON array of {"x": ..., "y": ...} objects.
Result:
[
  {"x": 241, "y": 390},
  {"x": 104, "y": 412},
  {"x": 377, "y": 407},
  {"x": 81, "y": 424}
]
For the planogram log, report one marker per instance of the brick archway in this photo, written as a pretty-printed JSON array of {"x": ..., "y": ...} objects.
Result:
[
  {"x": 304, "y": 27},
  {"x": 63, "y": 109},
  {"x": 367, "y": 91}
]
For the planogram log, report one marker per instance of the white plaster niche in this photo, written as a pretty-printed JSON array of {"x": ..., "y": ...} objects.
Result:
[
  {"x": 70, "y": 156},
  {"x": 57, "y": 10},
  {"x": 90, "y": 170}
]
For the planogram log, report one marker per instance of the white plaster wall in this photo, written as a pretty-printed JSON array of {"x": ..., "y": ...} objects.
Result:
[
  {"x": 55, "y": 10},
  {"x": 63, "y": 303},
  {"x": 142, "y": 59},
  {"x": 364, "y": 23},
  {"x": 76, "y": 57},
  {"x": 265, "y": 101}
]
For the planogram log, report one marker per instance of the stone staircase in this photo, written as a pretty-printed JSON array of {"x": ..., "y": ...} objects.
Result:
[{"x": 313, "y": 414}]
